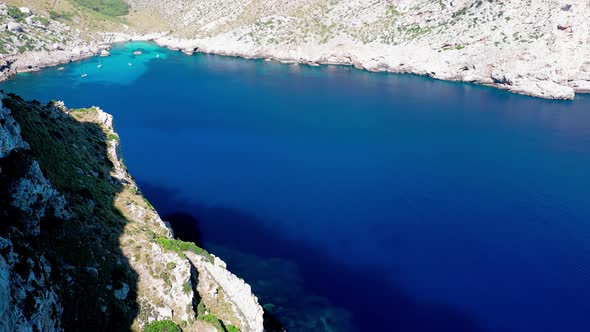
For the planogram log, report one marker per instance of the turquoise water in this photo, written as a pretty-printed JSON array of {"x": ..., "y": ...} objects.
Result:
[{"x": 357, "y": 201}]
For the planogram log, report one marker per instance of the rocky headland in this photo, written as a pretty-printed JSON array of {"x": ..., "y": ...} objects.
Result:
[{"x": 82, "y": 249}]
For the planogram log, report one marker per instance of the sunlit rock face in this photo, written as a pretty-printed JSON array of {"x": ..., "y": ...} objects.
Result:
[{"x": 542, "y": 46}]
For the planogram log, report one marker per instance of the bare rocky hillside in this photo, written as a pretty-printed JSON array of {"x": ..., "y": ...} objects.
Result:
[
  {"x": 534, "y": 47},
  {"x": 537, "y": 47}
]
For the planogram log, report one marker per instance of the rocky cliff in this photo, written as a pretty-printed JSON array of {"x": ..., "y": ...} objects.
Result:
[
  {"x": 82, "y": 250},
  {"x": 535, "y": 47}
]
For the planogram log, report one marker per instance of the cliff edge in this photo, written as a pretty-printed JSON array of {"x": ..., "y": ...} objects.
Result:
[{"x": 82, "y": 249}]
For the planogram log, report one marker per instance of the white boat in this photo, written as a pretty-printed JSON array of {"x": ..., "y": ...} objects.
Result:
[
  {"x": 99, "y": 66},
  {"x": 129, "y": 63},
  {"x": 84, "y": 75},
  {"x": 60, "y": 68}
]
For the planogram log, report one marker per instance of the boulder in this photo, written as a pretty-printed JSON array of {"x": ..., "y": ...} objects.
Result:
[
  {"x": 14, "y": 27},
  {"x": 25, "y": 10}
]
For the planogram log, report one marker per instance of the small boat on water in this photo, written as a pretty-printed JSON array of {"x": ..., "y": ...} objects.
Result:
[
  {"x": 137, "y": 52},
  {"x": 129, "y": 63},
  {"x": 157, "y": 56},
  {"x": 99, "y": 66},
  {"x": 60, "y": 68},
  {"x": 84, "y": 75}
]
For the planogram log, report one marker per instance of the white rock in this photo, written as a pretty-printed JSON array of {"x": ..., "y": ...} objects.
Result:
[
  {"x": 25, "y": 10},
  {"x": 14, "y": 27}
]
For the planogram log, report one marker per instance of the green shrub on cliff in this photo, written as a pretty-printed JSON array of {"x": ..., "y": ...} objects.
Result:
[
  {"x": 15, "y": 13},
  {"x": 204, "y": 315},
  {"x": 231, "y": 328},
  {"x": 162, "y": 326},
  {"x": 181, "y": 246}
]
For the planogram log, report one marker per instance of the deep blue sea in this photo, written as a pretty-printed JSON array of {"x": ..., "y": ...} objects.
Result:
[{"x": 356, "y": 201}]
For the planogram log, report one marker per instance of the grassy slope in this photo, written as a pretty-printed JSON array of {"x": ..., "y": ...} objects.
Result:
[{"x": 84, "y": 15}]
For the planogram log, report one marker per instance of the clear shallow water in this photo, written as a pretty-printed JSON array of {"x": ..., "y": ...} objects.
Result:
[{"x": 354, "y": 200}]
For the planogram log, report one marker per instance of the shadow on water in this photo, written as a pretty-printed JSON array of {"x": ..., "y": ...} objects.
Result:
[
  {"x": 375, "y": 302},
  {"x": 87, "y": 263}
]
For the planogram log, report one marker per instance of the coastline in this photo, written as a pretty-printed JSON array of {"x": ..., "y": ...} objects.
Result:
[
  {"x": 406, "y": 59},
  {"x": 370, "y": 58},
  {"x": 35, "y": 61}
]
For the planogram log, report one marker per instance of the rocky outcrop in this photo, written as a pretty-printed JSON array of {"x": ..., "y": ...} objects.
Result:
[
  {"x": 172, "y": 276},
  {"x": 28, "y": 299},
  {"x": 81, "y": 248},
  {"x": 229, "y": 296},
  {"x": 10, "y": 138}
]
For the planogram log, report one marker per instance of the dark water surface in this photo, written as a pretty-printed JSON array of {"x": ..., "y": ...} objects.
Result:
[{"x": 356, "y": 201}]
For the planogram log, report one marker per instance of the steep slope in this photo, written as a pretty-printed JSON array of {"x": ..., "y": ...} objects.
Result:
[
  {"x": 536, "y": 47},
  {"x": 81, "y": 249}
]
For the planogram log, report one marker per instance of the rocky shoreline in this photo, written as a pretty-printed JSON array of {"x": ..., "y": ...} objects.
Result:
[
  {"x": 36, "y": 61},
  {"x": 536, "y": 48},
  {"x": 371, "y": 59},
  {"x": 363, "y": 57}
]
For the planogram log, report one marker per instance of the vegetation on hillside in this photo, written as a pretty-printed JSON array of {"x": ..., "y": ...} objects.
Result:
[
  {"x": 106, "y": 7},
  {"x": 72, "y": 155},
  {"x": 15, "y": 13},
  {"x": 162, "y": 326},
  {"x": 204, "y": 315},
  {"x": 181, "y": 246}
]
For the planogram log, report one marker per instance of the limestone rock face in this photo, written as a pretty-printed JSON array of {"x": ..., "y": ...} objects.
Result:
[
  {"x": 28, "y": 299},
  {"x": 142, "y": 276},
  {"x": 10, "y": 138},
  {"x": 227, "y": 294},
  {"x": 542, "y": 45}
]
